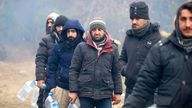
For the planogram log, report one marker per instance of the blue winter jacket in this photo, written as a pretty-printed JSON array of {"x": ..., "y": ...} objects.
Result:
[{"x": 61, "y": 56}]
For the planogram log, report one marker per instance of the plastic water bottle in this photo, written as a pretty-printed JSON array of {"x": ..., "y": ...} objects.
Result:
[
  {"x": 35, "y": 96},
  {"x": 51, "y": 102},
  {"x": 26, "y": 90},
  {"x": 72, "y": 105}
]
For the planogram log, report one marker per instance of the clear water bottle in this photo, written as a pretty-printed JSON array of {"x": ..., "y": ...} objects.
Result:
[
  {"x": 51, "y": 101},
  {"x": 72, "y": 105},
  {"x": 26, "y": 90},
  {"x": 35, "y": 96}
]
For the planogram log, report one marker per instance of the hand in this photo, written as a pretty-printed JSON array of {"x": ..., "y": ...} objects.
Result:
[
  {"x": 40, "y": 83},
  {"x": 72, "y": 97},
  {"x": 116, "y": 99}
]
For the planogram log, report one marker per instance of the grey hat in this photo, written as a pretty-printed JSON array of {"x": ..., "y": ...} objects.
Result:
[
  {"x": 139, "y": 10},
  {"x": 97, "y": 22}
]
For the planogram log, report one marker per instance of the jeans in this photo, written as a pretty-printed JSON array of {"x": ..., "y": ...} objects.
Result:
[{"x": 91, "y": 103}]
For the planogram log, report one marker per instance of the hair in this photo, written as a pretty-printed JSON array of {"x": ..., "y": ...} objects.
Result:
[{"x": 187, "y": 6}]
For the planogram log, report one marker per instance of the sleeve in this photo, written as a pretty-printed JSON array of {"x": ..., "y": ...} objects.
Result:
[
  {"x": 53, "y": 63},
  {"x": 41, "y": 60},
  {"x": 123, "y": 59},
  {"x": 147, "y": 81},
  {"x": 75, "y": 68},
  {"x": 116, "y": 75}
]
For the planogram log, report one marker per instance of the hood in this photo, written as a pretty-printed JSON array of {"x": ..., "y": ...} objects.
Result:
[
  {"x": 75, "y": 24},
  {"x": 184, "y": 44},
  {"x": 71, "y": 44},
  {"x": 52, "y": 16},
  {"x": 178, "y": 39},
  {"x": 174, "y": 38}
]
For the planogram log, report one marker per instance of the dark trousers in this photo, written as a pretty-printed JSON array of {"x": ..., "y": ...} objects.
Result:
[
  {"x": 43, "y": 93},
  {"x": 91, "y": 103},
  {"x": 40, "y": 101}
]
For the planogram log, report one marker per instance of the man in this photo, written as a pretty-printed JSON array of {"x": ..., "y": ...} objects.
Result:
[
  {"x": 168, "y": 67},
  {"x": 50, "y": 21},
  {"x": 137, "y": 44},
  {"x": 58, "y": 81},
  {"x": 43, "y": 52},
  {"x": 94, "y": 73}
]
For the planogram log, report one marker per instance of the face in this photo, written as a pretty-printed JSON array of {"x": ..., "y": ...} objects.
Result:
[
  {"x": 185, "y": 23},
  {"x": 71, "y": 34},
  {"x": 49, "y": 23},
  {"x": 59, "y": 28},
  {"x": 138, "y": 23},
  {"x": 97, "y": 33}
]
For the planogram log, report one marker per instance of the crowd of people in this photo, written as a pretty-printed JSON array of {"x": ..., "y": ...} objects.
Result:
[{"x": 85, "y": 67}]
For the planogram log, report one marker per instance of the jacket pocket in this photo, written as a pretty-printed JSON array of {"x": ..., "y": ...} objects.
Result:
[
  {"x": 84, "y": 80},
  {"x": 108, "y": 83},
  {"x": 163, "y": 100},
  {"x": 85, "y": 83}
]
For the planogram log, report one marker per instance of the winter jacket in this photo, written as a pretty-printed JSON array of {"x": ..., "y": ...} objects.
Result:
[
  {"x": 167, "y": 67},
  {"x": 43, "y": 52},
  {"x": 93, "y": 74},
  {"x": 61, "y": 56},
  {"x": 134, "y": 52}
]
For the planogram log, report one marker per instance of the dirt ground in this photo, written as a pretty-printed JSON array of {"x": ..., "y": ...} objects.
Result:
[{"x": 12, "y": 76}]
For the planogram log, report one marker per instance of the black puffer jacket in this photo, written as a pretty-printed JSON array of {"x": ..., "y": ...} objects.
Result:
[
  {"x": 43, "y": 52},
  {"x": 168, "y": 66},
  {"x": 134, "y": 52},
  {"x": 95, "y": 75}
]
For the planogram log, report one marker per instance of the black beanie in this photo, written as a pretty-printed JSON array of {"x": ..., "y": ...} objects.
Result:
[
  {"x": 60, "y": 20},
  {"x": 139, "y": 10}
]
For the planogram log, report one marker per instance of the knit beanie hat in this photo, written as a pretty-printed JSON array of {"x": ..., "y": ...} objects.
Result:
[
  {"x": 60, "y": 20},
  {"x": 97, "y": 22},
  {"x": 139, "y": 10}
]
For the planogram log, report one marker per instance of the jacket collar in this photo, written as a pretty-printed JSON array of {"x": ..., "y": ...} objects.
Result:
[
  {"x": 175, "y": 38},
  {"x": 107, "y": 46}
]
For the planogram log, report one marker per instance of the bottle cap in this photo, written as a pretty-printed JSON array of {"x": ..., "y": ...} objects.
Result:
[
  {"x": 34, "y": 81},
  {"x": 50, "y": 94}
]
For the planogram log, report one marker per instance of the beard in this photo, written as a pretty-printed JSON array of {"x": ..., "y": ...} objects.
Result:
[
  {"x": 97, "y": 38},
  {"x": 71, "y": 38}
]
